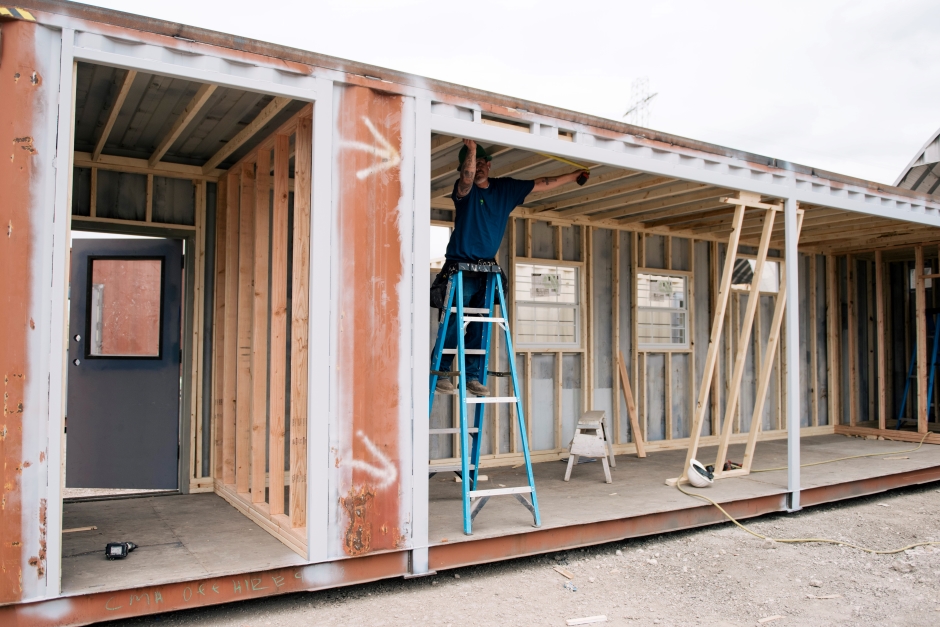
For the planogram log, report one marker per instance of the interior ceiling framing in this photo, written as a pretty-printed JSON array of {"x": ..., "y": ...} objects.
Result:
[
  {"x": 158, "y": 118},
  {"x": 620, "y": 198}
]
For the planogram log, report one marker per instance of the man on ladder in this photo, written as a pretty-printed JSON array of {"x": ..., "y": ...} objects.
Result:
[
  {"x": 467, "y": 291},
  {"x": 482, "y": 207}
]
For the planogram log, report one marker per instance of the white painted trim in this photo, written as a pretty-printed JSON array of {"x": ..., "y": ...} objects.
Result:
[
  {"x": 420, "y": 323},
  {"x": 705, "y": 168},
  {"x": 792, "y": 361},
  {"x": 200, "y": 67},
  {"x": 56, "y": 312},
  {"x": 321, "y": 340}
]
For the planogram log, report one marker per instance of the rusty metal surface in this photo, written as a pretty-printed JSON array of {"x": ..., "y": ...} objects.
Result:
[
  {"x": 91, "y": 608},
  {"x": 20, "y": 92},
  {"x": 374, "y": 76},
  {"x": 372, "y": 407},
  {"x": 865, "y": 487}
]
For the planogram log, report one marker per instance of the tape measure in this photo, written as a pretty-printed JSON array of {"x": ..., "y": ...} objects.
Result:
[{"x": 582, "y": 178}]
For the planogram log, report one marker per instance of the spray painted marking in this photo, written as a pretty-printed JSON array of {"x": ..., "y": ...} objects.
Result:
[
  {"x": 388, "y": 156},
  {"x": 385, "y": 472}
]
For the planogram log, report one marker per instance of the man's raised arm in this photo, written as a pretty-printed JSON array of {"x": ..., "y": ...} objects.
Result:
[
  {"x": 551, "y": 182},
  {"x": 468, "y": 169}
]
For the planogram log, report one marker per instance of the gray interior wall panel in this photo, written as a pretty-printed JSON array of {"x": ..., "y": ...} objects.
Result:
[
  {"x": 655, "y": 396},
  {"x": 174, "y": 201},
  {"x": 746, "y": 397},
  {"x": 571, "y": 243},
  {"x": 542, "y": 419},
  {"x": 543, "y": 240},
  {"x": 571, "y": 391},
  {"x": 806, "y": 365},
  {"x": 520, "y": 236},
  {"x": 681, "y": 419},
  {"x": 602, "y": 311},
  {"x": 655, "y": 252},
  {"x": 523, "y": 374},
  {"x": 443, "y": 215},
  {"x": 701, "y": 325},
  {"x": 861, "y": 307},
  {"x": 81, "y": 191},
  {"x": 843, "y": 335},
  {"x": 121, "y": 195},
  {"x": 766, "y": 313},
  {"x": 680, "y": 253},
  {"x": 626, "y": 325},
  {"x": 441, "y": 446}
]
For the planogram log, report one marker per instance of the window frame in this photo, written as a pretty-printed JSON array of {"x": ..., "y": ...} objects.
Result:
[
  {"x": 686, "y": 277},
  {"x": 578, "y": 267}
]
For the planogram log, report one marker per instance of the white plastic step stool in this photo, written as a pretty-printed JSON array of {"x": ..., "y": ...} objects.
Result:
[{"x": 590, "y": 440}]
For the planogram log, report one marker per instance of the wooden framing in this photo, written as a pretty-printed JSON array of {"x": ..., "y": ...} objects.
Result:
[
  {"x": 880, "y": 334},
  {"x": 920, "y": 317},
  {"x": 259, "y": 328}
]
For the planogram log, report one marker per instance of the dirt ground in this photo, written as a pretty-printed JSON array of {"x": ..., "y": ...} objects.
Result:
[{"x": 717, "y": 575}]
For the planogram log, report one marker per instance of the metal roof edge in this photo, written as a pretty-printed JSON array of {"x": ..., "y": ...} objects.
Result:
[
  {"x": 917, "y": 155},
  {"x": 245, "y": 44}
]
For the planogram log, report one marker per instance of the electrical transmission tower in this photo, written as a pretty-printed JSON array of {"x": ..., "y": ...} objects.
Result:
[{"x": 640, "y": 97}]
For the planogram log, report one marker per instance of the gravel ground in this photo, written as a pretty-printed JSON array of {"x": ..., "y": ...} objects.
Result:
[{"x": 718, "y": 575}]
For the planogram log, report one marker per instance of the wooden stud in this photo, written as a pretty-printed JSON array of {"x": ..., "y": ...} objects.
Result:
[
  {"x": 559, "y": 426},
  {"x": 615, "y": 326},
  {"x": 852, "y": 314},
  {"x": 711, "y": 356},
  {"x": 113, "y": 113},
  {"x": 920, "y": 317},
  {"x": 667, "y": 395},
  {"x": 278, "y": 391},
  {"x": 93, "y": 196},
  {"x": 234, "y": 248},
  {"x": 880, "y": 334},
  {"x": 189, "y": 113},
  {"x": 746, "y": 327},
  {"x": 713, "y": 282},
  {"x": 198, "y": 324},
  {"x": 148, "y": 212},
  {"x": 218, "y": 326},
  {"x": 631, "y": 406},
  {"x": 887, "y": 338},
  {"x": 300, "y": 294},
  {"x": 585, "y": 317},
  {"x": 690, "y": 330},
  {"x": 870, "y": 329},
  {"x": 813, "y": 344},
  {"x": 763, "y": 385},
  {"x": 245, "y": 301},
  {"x": 259, "y": 333},
  {"x": 634, "y": 326}
]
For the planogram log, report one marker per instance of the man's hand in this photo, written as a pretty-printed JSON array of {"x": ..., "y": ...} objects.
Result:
[
  {"x": 468, "y": 169},
  {"x": 551, "y": 182}
]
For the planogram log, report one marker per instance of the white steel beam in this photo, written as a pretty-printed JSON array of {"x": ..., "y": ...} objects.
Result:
[
  {"x": 711, "y": 169},
  {"x": 791, "y": 263},
  {"x": 322, "y": 339}
]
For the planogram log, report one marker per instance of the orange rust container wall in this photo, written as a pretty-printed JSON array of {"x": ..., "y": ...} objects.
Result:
[
  {"x": 373, "y": 406},
  {"x": 28, "y": 86}
]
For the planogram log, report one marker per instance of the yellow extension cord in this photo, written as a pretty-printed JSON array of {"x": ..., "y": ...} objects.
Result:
[{"x": 821, "y": 540}]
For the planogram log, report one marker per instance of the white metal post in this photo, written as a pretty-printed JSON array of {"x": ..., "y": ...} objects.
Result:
[
  {"x": 321, "y": 340},
  {"x": 793, "y": 354},
  {"x": 421, "y": 321}
]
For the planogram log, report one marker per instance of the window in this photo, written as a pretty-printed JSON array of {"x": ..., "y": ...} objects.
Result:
[
  {"x": 547, "y": 305},
  {"x": 124, "y": 307},
  {"x": 744, "y": 273},
  {"x": 662, "y": 311}
]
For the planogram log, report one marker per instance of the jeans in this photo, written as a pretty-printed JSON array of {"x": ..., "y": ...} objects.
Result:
[{"x": 474, "y": 295}]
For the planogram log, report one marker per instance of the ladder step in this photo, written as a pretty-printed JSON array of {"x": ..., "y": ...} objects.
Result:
[
  {"x": 500, "y": 491},
  {"x": 473, "y": 400},
  {"x": 448, "y": 468},
  {"x": 468, "y": 351},
  {"x": 480, "y": 319},
  {"x": 451, "y": 430},
  {"x": 472, "y": 310}
]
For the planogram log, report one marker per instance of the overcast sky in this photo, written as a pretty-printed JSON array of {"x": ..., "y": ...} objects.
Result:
[{"x": 847, "y": 86}]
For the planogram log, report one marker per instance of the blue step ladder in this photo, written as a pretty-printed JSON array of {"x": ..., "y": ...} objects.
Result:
[
  {"x": 932, "y": 338},
  {"x": 455, "y": 313}
]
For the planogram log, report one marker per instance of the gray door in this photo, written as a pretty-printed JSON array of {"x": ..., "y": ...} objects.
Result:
[{"x": 124, "y": 363}]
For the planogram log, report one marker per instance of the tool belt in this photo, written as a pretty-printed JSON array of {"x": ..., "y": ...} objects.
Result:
[{"x": 439, "y": 288}]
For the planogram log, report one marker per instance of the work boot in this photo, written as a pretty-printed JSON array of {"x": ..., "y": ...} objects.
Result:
[
  {"x": 444, "y": 386},
  {"x": 476, "y": 388}
]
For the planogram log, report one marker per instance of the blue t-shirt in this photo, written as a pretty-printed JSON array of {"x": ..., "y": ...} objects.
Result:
[{"x": 481, "y": 218}]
